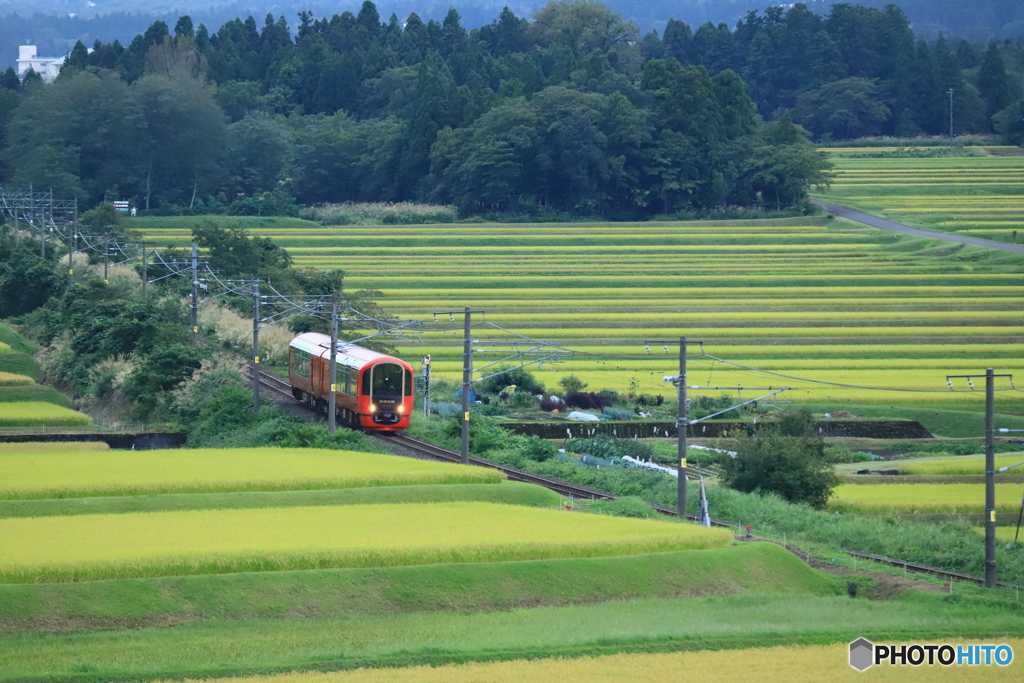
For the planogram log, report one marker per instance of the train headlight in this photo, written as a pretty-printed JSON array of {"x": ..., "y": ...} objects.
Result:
[
  {"x": 401, "y": 408},
  {"x": 373, "y": 408}
]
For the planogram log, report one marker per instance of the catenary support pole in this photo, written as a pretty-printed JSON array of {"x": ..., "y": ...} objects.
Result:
[
  {"x": 681, "y": 428},
  {"x": 71, "y": 256},
  {"x": 256, "y": 345},
  {"x": 332, "y": 397},
  {"x": 467, "y": 379},
  {"x": 106, "y": 260},
  {"x": 990, "y": 480},
  {"x": 195, "y": 294}
]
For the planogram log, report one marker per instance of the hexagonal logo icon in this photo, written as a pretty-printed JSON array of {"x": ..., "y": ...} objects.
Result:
[{"x": 862, "y": 653}]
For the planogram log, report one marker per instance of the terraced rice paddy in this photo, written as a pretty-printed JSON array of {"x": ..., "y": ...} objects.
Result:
[
  {"x": 89, "y": 547},
  {"x": 974, "y": 196},
  {"x": 788, "y": 663},
  {"x": 825, "y": 300},
  {"x": 38, "y": 414},
  {"x": 957, "y": 465},
  {"x": 922, "y": 498},
  {"x": 37, "y": 475}
]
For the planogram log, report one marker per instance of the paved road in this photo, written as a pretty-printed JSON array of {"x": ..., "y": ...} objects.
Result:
[{"x": 884, "y": 224}]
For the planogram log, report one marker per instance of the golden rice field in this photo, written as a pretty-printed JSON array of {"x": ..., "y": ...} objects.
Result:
[
  {"x": 977, "y": 196},
  {"x": 62, "y": 474},
  {"x": 91, "y": 547},
  {"x": 922, "y": 498},
  {"x": 9, "y": 379},
  {"x": 818, "y": 663},
  {"x": 38, "y": 414},
  {"x": 836, "y": 301},
  {"x": 957, "y": 465},
  {"x": 52, "y": 446}
]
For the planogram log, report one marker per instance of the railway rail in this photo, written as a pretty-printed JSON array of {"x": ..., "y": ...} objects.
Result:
[{"x": 574, "y": 491}]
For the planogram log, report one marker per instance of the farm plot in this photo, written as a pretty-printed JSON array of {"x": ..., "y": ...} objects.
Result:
[
  {"x": 816, "y": 293},
  {"x": 922, "y": 498},
  {"x": 788, "y": 663},
  {"x": 38, "y": 414},
  {"x": 29, "y": 476},
  {"x": 90, "y": 547},
  {"x": 956, "y": 465},
  {"x": 976, "y": 196}
]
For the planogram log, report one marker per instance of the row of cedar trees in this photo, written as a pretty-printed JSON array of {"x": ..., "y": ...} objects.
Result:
[{"x": 573, "y": 113}]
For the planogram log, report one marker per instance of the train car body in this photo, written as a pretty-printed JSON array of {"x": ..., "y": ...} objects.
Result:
[{"x": 372, "y": 390}]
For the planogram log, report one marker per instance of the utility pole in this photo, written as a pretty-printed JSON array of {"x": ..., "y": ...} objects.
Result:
[
  {"x": 990, "y": 467},
  {"x": 195, "y": 294},
  {"x": 426, "y": 386},
  {"x": 990, "y": 479},
  {"x": 145, "y": 274},
  {"x": 467, "y": 379},
  {"x": 682, "y": 414},
  {"x": 950, "y": 93},
  {"x": 332, "y": 399},
  {"x": 106, "y": 259},
  {"x": 256, "y": 345}
]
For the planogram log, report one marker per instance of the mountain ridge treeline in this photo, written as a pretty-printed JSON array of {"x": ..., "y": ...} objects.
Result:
[{"x": 574, "y": 112}]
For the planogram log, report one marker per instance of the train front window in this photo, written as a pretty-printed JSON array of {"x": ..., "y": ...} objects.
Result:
[{"x": 387, "y": 379}]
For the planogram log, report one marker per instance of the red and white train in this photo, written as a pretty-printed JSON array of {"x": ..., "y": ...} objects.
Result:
[{"x": 373, "y": 391}]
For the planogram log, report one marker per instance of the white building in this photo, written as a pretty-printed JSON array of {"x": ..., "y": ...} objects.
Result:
[{"x": 47, "y": 67}]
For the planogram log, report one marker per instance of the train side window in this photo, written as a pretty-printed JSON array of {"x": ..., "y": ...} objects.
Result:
[
  {"x": 408, "y": 383},
  {"x": 300, "y": 361}
]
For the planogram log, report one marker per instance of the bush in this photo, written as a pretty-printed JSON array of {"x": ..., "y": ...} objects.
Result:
[
  {"x": 445, "y": 410},
  {"x": 538, "y": 450},
  {"x": 519, "y": 378},
  {"x": 787, "y": 459},
  {"x": 571, "y": 384},
  {"x": 648, "y": 400},
  {"x": 586, "y": 400}
]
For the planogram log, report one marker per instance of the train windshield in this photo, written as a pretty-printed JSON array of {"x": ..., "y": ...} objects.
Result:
[{"x": 390, "y": 379}]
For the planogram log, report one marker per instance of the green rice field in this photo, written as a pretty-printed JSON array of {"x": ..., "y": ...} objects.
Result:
[
  {"x": 807, "y": 298},
  {"x": 92, "y": 547},
  {"x": 974, "y": 196},
  {"x": 922, "y": 498},
  {"x": 71, "y": 474},
  {"x": 39, "y": 414}
]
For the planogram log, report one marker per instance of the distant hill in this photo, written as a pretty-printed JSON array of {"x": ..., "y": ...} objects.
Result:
[{"x": 55, "y": 25}]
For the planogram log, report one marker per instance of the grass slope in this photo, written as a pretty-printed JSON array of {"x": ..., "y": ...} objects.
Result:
[
  {"x": 35, "y": 393},
  {"x": 14, "y": 340},
  {"x": 510, "y": 493},
  {"x": 19, "y": 363},
  {"x": 397, "y": 590},
  {"x": 745, "y": 620},
  {"x": 39, "y": 414}
]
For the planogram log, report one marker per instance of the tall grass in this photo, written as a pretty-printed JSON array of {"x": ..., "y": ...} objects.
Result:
[
  {"x": 380, "y": 213},
  {"x": 235, "y": 333},
  {"x": 125, "y": 473},
  {"x": 92, "y": 547}
]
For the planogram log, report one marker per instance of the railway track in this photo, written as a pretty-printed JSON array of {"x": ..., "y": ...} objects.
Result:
[{"x": 428, "y": 450}]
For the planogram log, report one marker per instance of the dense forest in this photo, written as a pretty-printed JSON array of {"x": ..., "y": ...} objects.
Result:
[{"x": 573, "y": 112}]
